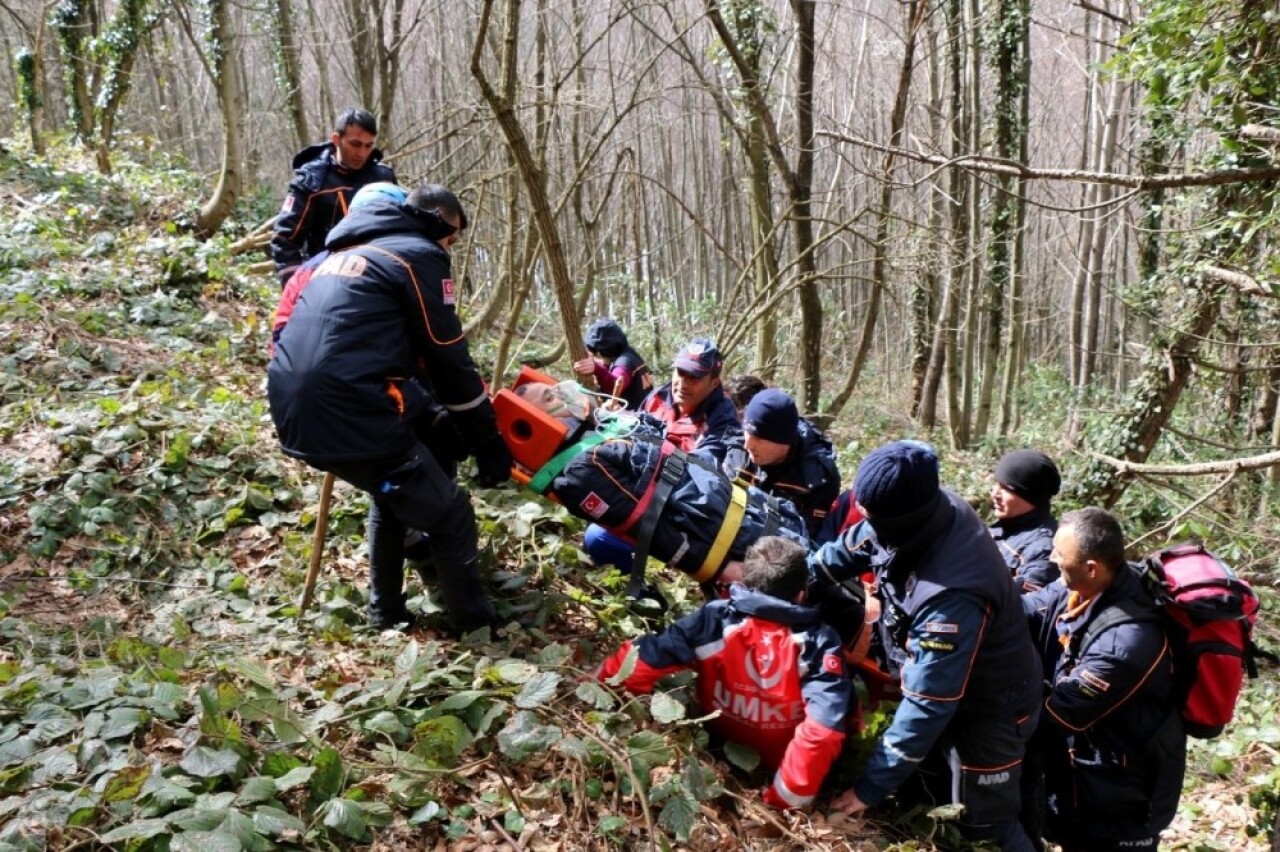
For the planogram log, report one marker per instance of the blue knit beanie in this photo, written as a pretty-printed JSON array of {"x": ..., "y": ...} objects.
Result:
[
  {"x": 896, "y": 479},
  {"x": 772, "y": 416}
]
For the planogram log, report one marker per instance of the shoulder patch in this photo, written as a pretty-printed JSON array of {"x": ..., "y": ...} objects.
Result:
[
  {"x": 832, "y": 664},
  {"x": 1092, "y": 680},
  {"x": 937, "y": 645},
  {"x": 288, "y": 203},
  {"x": 941, "y": 627},
  {"x": 448, "y": 292}
]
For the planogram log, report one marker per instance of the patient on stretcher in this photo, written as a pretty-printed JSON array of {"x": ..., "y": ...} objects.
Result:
[{"x": 615, "y": 469}]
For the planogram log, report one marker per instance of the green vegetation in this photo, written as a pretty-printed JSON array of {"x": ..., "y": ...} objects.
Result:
[{"x": 156, "y": 690}]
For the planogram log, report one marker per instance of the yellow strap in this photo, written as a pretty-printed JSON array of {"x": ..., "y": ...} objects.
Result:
[{"x": 724, "y": 538}]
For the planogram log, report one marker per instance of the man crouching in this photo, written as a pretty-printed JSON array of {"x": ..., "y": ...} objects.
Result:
[{"x": 766, "y": 661}]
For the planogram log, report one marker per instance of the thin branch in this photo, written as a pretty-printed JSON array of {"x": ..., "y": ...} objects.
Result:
[
  {"x": 995, "y": 165},
  {"x": 1197, "y": 469},
  {"x": 1239, "y": 280},
  {"x": 1177, "y": 519}
]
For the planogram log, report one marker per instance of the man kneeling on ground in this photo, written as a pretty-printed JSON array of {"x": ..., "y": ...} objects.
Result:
[{"x": 767, "y": 663}]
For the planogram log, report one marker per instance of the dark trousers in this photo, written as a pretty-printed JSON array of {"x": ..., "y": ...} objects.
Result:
[
  {"x": 412, "y": 492},
  {"x": 978, "y": 763}
]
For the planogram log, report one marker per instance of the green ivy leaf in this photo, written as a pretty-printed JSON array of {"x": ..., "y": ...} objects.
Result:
[
  {"x": 205, "y": 841},
  {"x": 679, "y": 815},
  {"x": 461, "y": 700},
  {"x": 140, "y": 829},
  {"x": 204, "y": 762},
  {"x": 666, "y": 709},
  {"x": 345, "y": 817},
  {"x": 742, "y": 756},
  {"x": 538, "y": 690},
  {"x": 254, "y": 672},
  {"x": 257, "y": 789},
  {"x": 126, "y": 784},
  {"x": 295, "y": 777},
  {"x": 274, "y": 822},
  {"x": 524, "y": 736},
  {"x": 428, "y": 812},
  {"x": 441, "y": 740},
  {"x": 123, "y": 722},
  {"x": 242, "y": 828},
  {"x": 329, "y": 776},
  {"x": 388, "y": 723},
  {"x": 594, "y": 694}
]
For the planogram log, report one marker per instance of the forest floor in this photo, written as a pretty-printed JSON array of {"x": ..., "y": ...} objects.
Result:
[{"x": 158, "y": 689}]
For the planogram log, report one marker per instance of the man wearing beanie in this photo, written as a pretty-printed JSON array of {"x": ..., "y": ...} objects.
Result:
[
  {"x": 785, "y": 455},
  {"x": 954, "y": 628},
  {"x": 1026, "y": 481}
]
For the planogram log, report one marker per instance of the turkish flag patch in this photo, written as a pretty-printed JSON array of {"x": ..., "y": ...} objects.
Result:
[
  {"x": 832, "y": 664},
  {"x": 449, "y": 292},
  {"x": 288, "y": 203},
  {"x": 594, "y": 506}
]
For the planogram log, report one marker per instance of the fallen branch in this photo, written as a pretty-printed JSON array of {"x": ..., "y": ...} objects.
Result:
[
  {"x": 1239, "y": 280},
  {"x": 1231, "y": 466},
  {"x": 1177, "y": 519},
  {"x": 998, "y": 166}
]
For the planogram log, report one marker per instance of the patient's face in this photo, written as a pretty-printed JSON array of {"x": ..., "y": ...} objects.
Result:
[{"x": 565, "y": 401}]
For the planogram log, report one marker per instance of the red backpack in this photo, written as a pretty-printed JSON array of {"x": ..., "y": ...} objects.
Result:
[{"x": 1209, "y": 614}]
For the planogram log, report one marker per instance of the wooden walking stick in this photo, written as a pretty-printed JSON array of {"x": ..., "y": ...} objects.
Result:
[{"x": 317, "y": 544}]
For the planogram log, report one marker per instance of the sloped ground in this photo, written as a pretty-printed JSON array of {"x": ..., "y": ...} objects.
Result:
[{"x": 156, "y": 688}]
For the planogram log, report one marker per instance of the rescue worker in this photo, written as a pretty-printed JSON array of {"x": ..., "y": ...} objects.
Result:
[
  {"x": 325, "y": 178},
  {"x": 615, "y": 366},
  {"x": 692, "y": 406},
  {"x": 378, "y": 313},
  {"x": 1026, "y": 481},
  {"x": 1110, "y": 736},
  {"x": 696, "y": 417},
  {"x": 741, "y": 389},
  {"x": 954, "y": 631},
  {"x": 766, "y": 663},
  {"x": 785, "y": 455}
]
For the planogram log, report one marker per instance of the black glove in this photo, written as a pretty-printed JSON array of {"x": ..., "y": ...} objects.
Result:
[
  {"x": 493, "y": 461},
  {"x": 436, "y": 430}
]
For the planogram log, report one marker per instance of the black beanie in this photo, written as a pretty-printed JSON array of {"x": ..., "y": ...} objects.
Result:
[
  {"x": 771, "y": 415},
  {"x": 1030, "y": 474}
]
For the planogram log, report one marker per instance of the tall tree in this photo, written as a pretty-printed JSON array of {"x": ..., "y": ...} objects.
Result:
[{"x": 226, "y": 74}]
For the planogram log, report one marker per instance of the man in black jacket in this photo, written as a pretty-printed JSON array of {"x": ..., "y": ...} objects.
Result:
[
  {"x": 953, "y": 629},
  {"x": 785, "y": 455},
  {"x": 1110, "y": 736},
  {"x": 1026, "y": 481},
  {"x": 375, "y": 326},
  {"x": 325, "y": 178}
]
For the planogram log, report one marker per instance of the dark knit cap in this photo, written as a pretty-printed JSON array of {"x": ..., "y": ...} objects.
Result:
[
  {"x": 897, "y": 479},
  {"x": 772, "y": 416},
  {"x": 1030, "y": 474},
  {"x": 699, "y": 357}
]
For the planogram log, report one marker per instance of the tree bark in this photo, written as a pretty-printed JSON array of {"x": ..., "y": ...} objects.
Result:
[
  {"x": 532, "y": 176},
  {"x": 880, "y": 262},
  {"x": 226, "y": 79},
  {"x": 289, "y": 61}
]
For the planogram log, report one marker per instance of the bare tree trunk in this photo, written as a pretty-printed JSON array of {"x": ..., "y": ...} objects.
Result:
[
  {"x": 361, "y": 17},
  {"x": 532, "y": 176},
  {"x": 289, "y": 61},
  {"x": 1161, "y": 383},
  {"x": 880, "y": 262},
  {"x": 328, "y": 107},
  {"x": 226, "y": 67}
]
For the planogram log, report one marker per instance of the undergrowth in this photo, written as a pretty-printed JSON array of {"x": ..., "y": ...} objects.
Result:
[{"x": 157, "y": 687}]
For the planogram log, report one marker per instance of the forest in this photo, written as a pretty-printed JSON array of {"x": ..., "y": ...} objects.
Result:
[{"x": 986, "y": 224}]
